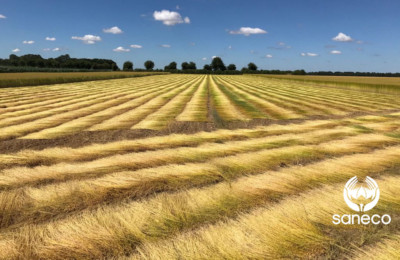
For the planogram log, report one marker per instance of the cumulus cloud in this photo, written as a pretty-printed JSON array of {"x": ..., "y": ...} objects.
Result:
[
  {"x": 213, "y": 57},
  {"x": 169, "y": 17},
  {"x": 248, "y": 31},
  {"x": 113, "y": 30},
  {"x": 56, "y": 49},
  {"x": 310, "y": 54},
  {"x": 52, "y": 39},
  {"x": 268, "y": 56},
  {"x": 28, "y": 42},
  {"x": 16, "y": 50},
  {"x": 121, "y": 49},
  {"x": 136, "y": 46},
  {"x": 341, "y": 37},
  {"x": 165, "y": 45},
  {"x": 336, "y": 52},
  {"x": 204, "y": 58},
  {"x": 2, "y": 16},
  {"x": 87, "y": 39}
]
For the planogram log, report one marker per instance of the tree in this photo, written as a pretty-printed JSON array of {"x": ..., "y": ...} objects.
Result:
[
  {"x": 128, "y": 65},
  {"x": 149, "y": 65},
  {"x": 299, "y": 72},
  {"x": 252, "y": 66},
  {"x": 192, "y": 65},
  {"x": 185, "y": 65},
  {"x": 207, "y": 67},
  {"x": 13, "y": 57},
  {"x": 218, "y": 64},
  {"x": 231, "y": 67},
  {"x": 171, "y": 66}
]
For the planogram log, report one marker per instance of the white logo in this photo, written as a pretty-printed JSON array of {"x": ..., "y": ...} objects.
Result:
[
  {"x": 353, "y": 191},
  {"x": 361, "y": 197}
]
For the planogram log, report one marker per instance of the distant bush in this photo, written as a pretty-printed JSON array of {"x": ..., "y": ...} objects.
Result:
[
  {"x": 128, "y": 66},
  {"x": 149, "y": 65}
]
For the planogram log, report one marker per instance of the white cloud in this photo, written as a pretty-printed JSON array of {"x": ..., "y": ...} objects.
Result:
[
  {"x": 169, "y": 17},
  {"x": 341, "y": 37},
  {"x": 2, "y": 16},
  {"x": 87, "y": 39},
  {"x": 56, "y": 49},
  {"x": 204, "y": 58},
  {"x": 165, "y": 45},
  {"x": 310, "y": 54},
  {"x": 28, "y": 42},
  {"x": 52, "y": 39},
  {"x": 230, "y": 47},
  {"x": 113, "y": 30},
  {"x": 136, "y": 46},
  {"x": 268, "y": 56},
  {"x": 213, "y": 57},
  {"x": 16, "y": 50},
  {"x": 336, "y": 52},
  {"x": 360, "y": 42},
  {"x": 47, "y": 49},
  {"x": 248, "y": 30},
  {"x": 121, "y": 49}
]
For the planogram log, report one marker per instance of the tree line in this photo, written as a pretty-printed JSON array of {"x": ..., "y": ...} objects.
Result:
[
  {"x": 217, "y": 66},
  {"x": 61, "y": 62}
]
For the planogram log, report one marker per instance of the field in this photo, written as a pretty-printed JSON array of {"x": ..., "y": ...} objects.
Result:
[
  {"x": 194, "y": 167},
  {"x": 378, "y": 84},
  {"x": 45, "y": 78}
]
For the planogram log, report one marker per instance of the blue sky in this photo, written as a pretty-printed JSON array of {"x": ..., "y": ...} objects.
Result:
[{"x": 273, "y": 34}]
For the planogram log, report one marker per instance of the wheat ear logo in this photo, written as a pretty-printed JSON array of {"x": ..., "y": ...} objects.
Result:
[{"x": 355, "y": 195}]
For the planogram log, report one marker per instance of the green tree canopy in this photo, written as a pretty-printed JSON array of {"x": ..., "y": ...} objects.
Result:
[
  {"x": 231, "y": 67},
  {"x": 185, "y": 65},
  {"x": 207, "y": 67},
  {"x": 128, "y": 65},
  {"x": 192, "y": 65},
  {"x": 149, "y": 65},
  {"x": 171, "y": 66},
  {"x": 252, "y": 66},
  {"x": 217, "y": 64}
]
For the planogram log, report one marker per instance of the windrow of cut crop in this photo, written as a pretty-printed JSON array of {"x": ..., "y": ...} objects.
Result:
[
  {"x": 128, "y": 119},
  {"x": 132, "y": 101},
  {"x": 160, "y": 118},
  {"x": 297, "y": 222}
]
